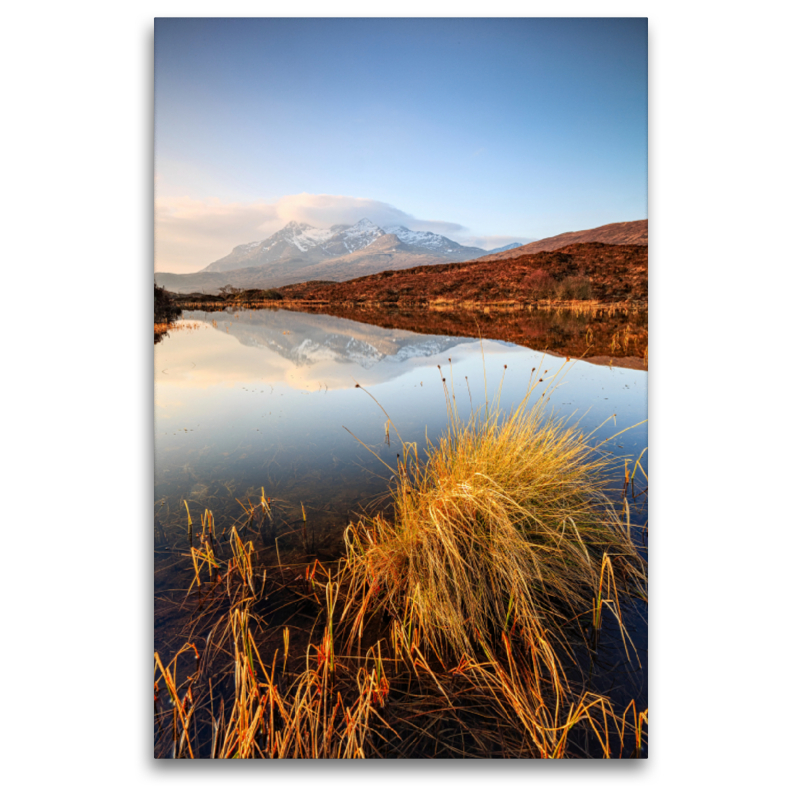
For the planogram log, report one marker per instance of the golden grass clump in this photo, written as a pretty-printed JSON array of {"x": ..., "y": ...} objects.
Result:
[{"x": 505, "y": 527}]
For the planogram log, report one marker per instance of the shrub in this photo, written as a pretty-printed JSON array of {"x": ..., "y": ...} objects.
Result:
[
  {"x": 539, "y": 284},
  {"x": 575, "y": 287}
]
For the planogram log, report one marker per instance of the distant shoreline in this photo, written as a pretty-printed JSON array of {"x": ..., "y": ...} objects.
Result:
[{"x": 200, "y": 301}]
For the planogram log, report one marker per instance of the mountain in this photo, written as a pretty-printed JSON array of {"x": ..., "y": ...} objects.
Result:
[
  {"x": 615, "y": 233},
  {"x": 398, "y": 250},
  {"x": 432, "y": 242},
  {"x": 298, "y": 243},
  {"x": 503, "y": 249},
  {"x": 299, "y": 252}
]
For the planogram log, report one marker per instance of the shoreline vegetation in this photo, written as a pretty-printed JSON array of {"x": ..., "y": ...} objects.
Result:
[
  {"x": 165, "y": 311},
  {"x": 464, "y": 621}
]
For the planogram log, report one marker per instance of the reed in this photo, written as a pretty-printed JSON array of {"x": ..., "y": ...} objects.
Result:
[
  {"x": 391, "y": 700},
  {"x": 505, "y": 521}
]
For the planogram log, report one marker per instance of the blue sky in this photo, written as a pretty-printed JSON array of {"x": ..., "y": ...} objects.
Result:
[{"x": 487, "y": 131}]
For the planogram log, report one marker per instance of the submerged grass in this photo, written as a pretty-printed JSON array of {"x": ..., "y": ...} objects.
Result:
[{"x": 454, "y": 629}]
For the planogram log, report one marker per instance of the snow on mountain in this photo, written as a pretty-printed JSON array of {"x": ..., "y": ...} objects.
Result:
[
  {"x": 424, "y": 239},
  {"x": 304, "y": 237},
  {"x": 359, "y": 236},
  {"x": 299, "y": 235},
  {"x": 301, "y": 244}
]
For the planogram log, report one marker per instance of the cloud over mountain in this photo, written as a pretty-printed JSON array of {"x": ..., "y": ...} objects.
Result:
[{"x": 324, "y": 210}]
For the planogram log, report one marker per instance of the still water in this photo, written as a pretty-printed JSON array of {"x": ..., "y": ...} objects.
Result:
[
  {"x": 267, "y": 398},
  {"x": 252, "y": 400}
]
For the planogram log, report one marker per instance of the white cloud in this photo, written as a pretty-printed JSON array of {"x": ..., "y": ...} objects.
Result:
[{"x": 190, "y": 233}]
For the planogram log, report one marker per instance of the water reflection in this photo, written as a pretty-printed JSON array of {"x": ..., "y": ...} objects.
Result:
[
  {"x": 307, "y": 350},
  {"x": 610, "y": 335},
  {"x": 265, "y": 398},
  {"x": 602, "y": 335}
]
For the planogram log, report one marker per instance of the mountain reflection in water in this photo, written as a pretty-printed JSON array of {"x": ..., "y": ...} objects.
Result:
[
  {"x": 601, "y": 334},
  {"x": 307, "y": 339},
  {"x": 266, "y": 398}
]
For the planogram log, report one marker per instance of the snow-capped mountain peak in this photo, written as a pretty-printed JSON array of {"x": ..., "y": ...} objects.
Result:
[
  {"x": 364, "y": 224},
  {"x": 424, "y": 239},
  {"x": 299, "y": 242},
  {"x": 360, "y": 235},
  {"x": 299, "y": 234}
]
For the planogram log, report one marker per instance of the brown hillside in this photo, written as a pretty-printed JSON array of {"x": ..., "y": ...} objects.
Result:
[
  {"x": 615, "y": 233},
  {"x": 614, "y": 273}
]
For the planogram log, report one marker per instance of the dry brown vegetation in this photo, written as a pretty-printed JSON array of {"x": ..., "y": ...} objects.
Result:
[
  {"x": 162, "y": 329},
  {"x": 615, "y": 233},
  {"x": 589, "y": 272},
  {"x": 165, "y": 311},
  {"x": 602, "y": 272}
]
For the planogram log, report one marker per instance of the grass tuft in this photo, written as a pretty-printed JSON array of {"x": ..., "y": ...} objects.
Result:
[{"x": 506, "y": 525}]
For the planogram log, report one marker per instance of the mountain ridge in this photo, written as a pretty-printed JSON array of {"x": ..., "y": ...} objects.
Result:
[
  {"x": 302, "y": 243},
  {"x": 614, "y": 233},
  {"x": 299, "y": 252}
]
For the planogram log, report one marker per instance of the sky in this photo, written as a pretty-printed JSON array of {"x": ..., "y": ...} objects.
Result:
[{"x": 487, "y": 131}]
